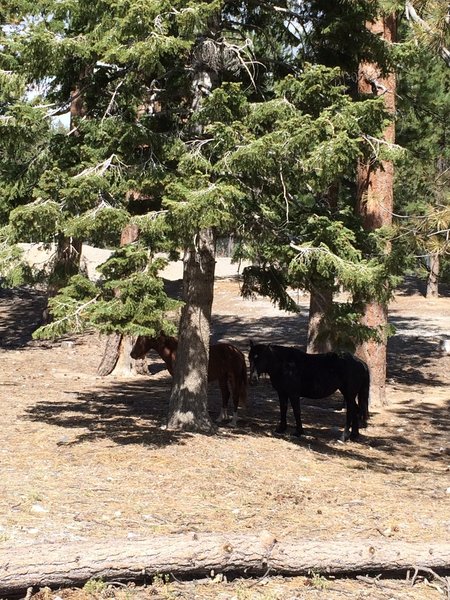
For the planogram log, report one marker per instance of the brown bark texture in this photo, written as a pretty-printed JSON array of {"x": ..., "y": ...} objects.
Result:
[
  {"x": 197, "y": 554},
  {"x": 188, "y": 405},
  {"x": 110, "y": 355},
  {"x": 433, "y": 277},
  {"x": 375, "y": 206},
  {"x": 320, "y": 302}
]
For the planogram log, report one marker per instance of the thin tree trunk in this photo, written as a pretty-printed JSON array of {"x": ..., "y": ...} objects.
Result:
[
  {"x": 375, "y": 206},
  {"x": 321, "y": 298},
  {"x": 188, "y": 405},
  {"x": 320, "y": 302},
  {"x": 197, "y": 554},
  {"x": 433, "y": 277},
  {"x": 65, "y": 265},
  {"x": 116, "y": 359}
]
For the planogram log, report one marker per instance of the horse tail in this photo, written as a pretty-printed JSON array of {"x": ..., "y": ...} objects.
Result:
[{"x": 363, "y": 398}]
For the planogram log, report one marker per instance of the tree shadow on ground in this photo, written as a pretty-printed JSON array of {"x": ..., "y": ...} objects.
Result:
[
  {"x": 418, "y": 431},
  {"x": 126, "y": 412},
  {"x": 286, "y": 329},
  {"x": 134, "y": 412},
  {"x": 24, "y": 309},
  {"x": 412, "y": 356},
  {"x": 412, "y": 285}
]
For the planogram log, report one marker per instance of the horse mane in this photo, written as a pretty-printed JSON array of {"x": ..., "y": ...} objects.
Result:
[{"x": 169, "y": 341}]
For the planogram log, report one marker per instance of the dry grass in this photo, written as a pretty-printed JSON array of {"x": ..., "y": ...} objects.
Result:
[{"x": 85, "y": 458}]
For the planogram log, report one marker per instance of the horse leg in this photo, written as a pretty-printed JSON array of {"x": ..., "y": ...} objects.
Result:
[
  {"x": 223, "y": 384},
  {"x": 351, "y": 430},
  {"x": 295, "y": 403},
  {"x": 235, "y": 391},
  {"x": 283, "y": 398}
]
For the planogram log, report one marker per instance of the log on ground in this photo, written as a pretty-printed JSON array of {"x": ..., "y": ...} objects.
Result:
[{"x": 196, "y": 554}]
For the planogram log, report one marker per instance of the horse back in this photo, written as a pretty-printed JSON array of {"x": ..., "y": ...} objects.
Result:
[
  {"x": 226, "y": 359},
  {"x": 311, "y": 375},
  {"x": 227, "y": 363}
]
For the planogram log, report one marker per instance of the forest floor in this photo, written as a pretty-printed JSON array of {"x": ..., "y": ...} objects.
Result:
[{"x": 86, "y": 458}]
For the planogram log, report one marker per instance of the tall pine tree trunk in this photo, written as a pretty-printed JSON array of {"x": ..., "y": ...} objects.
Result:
[
  {"x": 375, "y": 206},
  {"x": 433, "y": 276},
  {"x": 188, "y": 406},
  {"x": 320, "y": 302}
]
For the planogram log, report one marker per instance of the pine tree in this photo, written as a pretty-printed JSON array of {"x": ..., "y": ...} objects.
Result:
[
  {"x": 422, "y": 182},
  {"x": 191, "y": 119}
]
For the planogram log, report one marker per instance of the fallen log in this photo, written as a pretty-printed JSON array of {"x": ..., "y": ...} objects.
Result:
[{"x": 197, "y": 554}]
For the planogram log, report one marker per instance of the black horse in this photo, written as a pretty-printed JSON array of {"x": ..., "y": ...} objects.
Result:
[{"x": 294, "y": 373}]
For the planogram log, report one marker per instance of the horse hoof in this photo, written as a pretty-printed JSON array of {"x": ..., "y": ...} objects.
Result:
[
  {"x": 298, "y": 434},
  {"x": 280, "y": 430},
  {"x": 346, "y": 436}
]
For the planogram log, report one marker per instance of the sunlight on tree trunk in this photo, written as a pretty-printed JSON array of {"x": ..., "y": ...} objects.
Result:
[
  {"x": 375, "y": 206},
  {"x": 188, "y": 406},
  {"x": 433, "y": 277},
  {"x": 320, "y": 302}
]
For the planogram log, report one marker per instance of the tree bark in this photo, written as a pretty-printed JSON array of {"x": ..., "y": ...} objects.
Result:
[
  {"x": 188, "y": 405},
  {"x": 433, "y": 277},
  {"x": 321, "y": 294},
  {"x": 110, "y": 354},
  {"x": 321, "y": 300},
  {"x": 196, "y": 554},
  {"x": 65, "y": 265},
  {"x": 375, "y": 206}
]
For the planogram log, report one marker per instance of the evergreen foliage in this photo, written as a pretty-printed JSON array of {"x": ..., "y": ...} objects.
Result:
[
  {"x": 268, "y": 154},
  {"x": 422, "y": 181},
  {"x": 129, "y": 298}
]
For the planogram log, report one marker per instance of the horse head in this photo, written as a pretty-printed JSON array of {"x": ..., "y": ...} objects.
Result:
[
  {"x": 259, "y": 359},
  {"x": 144, "y": 343}
]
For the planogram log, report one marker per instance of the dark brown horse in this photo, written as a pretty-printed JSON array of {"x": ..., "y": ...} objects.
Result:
[{"x": 226, "y": 365}]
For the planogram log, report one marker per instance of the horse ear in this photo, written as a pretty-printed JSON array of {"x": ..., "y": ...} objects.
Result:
[{"x": 251, "y": 343}]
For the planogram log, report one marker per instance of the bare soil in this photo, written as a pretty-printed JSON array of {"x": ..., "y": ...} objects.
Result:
[{"x": 86, "y": 458}]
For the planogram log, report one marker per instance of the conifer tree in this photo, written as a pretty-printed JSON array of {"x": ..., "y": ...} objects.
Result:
[
  {"x": 191, "y": 119},
  {"x": 376, "y": 201},
  {"x": 422, "y": 181}
]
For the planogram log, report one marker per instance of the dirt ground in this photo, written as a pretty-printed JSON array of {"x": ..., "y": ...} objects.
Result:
[{"x": 85, "y": 458}]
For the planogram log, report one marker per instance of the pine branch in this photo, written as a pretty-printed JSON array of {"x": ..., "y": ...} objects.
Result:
[
  {"x": 55, "y": 327},
  {"x": 101, "y": 168},
  {"x": 111, "y": 102},
  {"x": 370, "y": 139},
  {"x": 305, "y": 252},
  {"x": 411, "y": 14}
]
